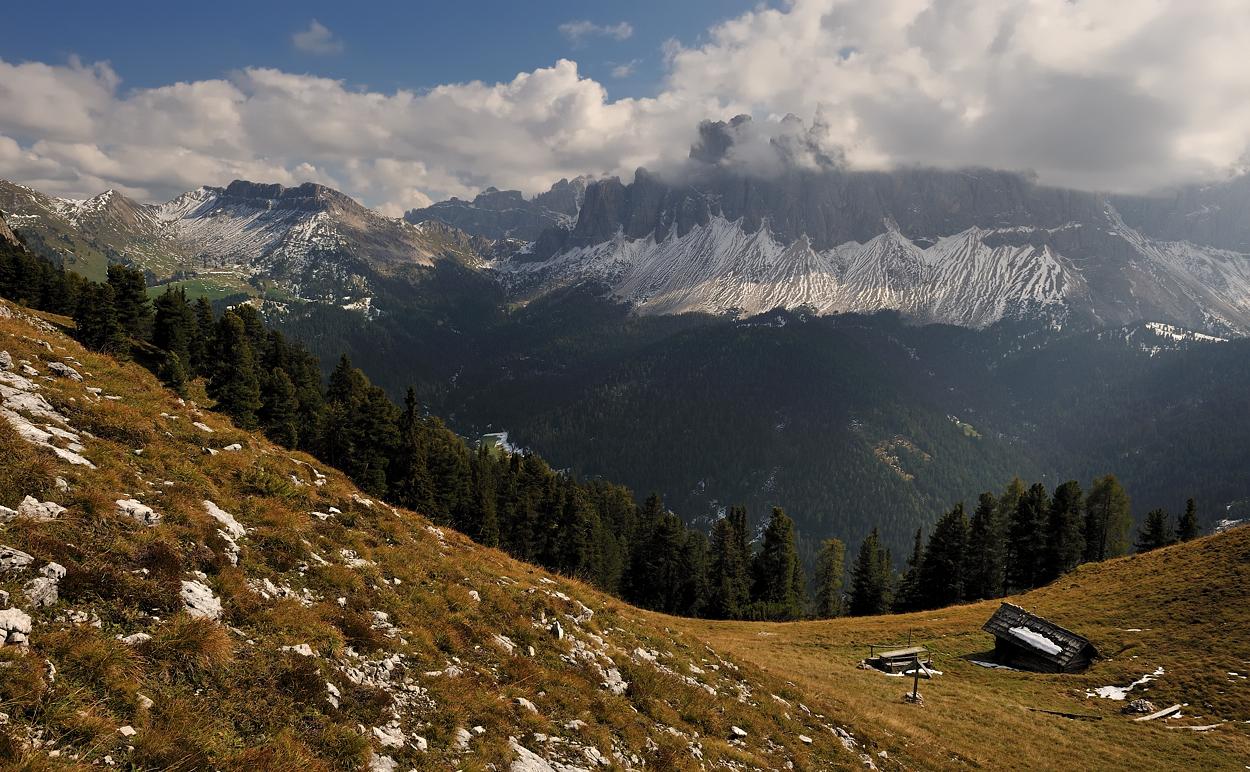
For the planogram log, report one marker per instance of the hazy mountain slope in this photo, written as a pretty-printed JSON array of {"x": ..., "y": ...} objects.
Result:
[
  {"x": 352, "y": 635},
  {"x": 506, "y": 214},
  {"x": 777, "y": 410}
]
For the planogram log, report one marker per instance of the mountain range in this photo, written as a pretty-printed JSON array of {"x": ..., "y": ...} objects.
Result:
[{"x": 859, "y": 347}]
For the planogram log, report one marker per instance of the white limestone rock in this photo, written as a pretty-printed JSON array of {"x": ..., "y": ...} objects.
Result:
[
  {"x": 14, "y": 620},
  {"x": 199, "y": 600},
  {"x": 382, "y": 763},
  {"x": 461, "y": 739},
  {"x": 65, "y": 371},
  {"x": 6, "y": 359},
  {"x": 41, "y": 591},
  {"x": 139, "y": 512},
  {"x": 232, "y": 526},
  {"x": 388, "y": 737},
  {"x": 13, "y": 559},
  {"x": 526, "y": 704},
  {"x": 136, "y": 639},
  {"x": 38, "y": 511}
]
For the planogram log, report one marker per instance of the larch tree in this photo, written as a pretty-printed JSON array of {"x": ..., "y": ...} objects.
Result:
[{"x": 986, "y": 556}]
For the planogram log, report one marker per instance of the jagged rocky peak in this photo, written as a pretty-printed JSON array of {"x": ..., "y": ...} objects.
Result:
[{"x": 499, "y": 214}]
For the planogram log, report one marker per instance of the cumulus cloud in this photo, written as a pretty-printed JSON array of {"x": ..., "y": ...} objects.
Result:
[
  {"x": 317, "y": 39},
  {"x": 577, "y": 30},
  {"x": 1102, "y": 94}
]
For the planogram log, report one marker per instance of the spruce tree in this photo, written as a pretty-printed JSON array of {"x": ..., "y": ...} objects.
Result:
[
  {"x": 1026, "y": 539},
  {"x": 986, "y": 551},
  {"x": 780, "y": 585},
  {"x": 1065, "y": 542},
  {"x": 234, "y": 383},
  {"x": 830, "y": 565},
  {"x": 729, "y": 580},
  {"x": 942, "y": 570},
  {"x": 1157, "y": 533},
  {"x": 1187, "y": 528},
  {"x": 872, "y": 578},
  {"x": 202, "y": 360},
  {"x": 1108, "y": 518},
  {"x": 174, "y": 326},
  {"x": 96, "y": 320},
  {"x": 130, "y": 299},
  {"x": 411, "y": 484},
  {"x": 279, "y": 412},
  {"x": 909, "y": 595},
  {"x": 694, "y": 575},
  {"x": 486, "y": 513}
]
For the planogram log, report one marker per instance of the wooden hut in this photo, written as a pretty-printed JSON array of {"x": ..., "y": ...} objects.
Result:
[{"x": 1029, "y": 642}]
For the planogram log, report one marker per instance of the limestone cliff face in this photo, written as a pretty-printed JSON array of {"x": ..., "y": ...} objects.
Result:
[
  {"x": 6, "y": 235},
  {"x": 964, "y": 247}
]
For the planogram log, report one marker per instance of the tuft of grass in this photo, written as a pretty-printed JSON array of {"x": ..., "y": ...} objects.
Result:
[{"x": 184, "y": 645}]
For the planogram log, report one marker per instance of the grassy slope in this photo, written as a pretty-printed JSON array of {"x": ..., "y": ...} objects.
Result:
[
  {"x": 227, "y": 697},
  {"x": 1189, "y": 602}
]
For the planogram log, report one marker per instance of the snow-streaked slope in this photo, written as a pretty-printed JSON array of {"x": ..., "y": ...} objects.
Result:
[
  {"x": 719, "y": 267},
  {"x": 972, "y": 278}
]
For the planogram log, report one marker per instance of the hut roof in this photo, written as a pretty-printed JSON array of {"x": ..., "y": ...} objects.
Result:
[{"x": 1043, "y": 637}]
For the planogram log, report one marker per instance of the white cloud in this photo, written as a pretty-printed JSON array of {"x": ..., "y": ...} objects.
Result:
[
  {"x": 1102, "y": 94},
  {"x": 577, "y": 30},
  {"x": 317, "y": 40},
  {"x": 625, "y": 70}
]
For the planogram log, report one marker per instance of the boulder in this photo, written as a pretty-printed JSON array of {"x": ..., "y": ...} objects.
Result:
[
  {"x": 13, "y": 559},
  {"x": 232, "y": 526},
  {"x": 65, "y": 371},
  {"x": 199, "y": 601},
  {"x": 6, "y": 359},
  {"x": 39, "y": 511},
  {"x": 41, "y": 591},
  {"x": 139, "y": 512},
  {"x": 14, "y": 620}
]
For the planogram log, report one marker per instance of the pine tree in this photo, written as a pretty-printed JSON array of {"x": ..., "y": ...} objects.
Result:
[
  {"x": 872, "y": 578},
  {"x": 909, "y": 595},
  {"x": 1026, "y": 539},
  {"x": 234, "y": 383},
  {"x": 694, "y": 573},
  {"x": 279, "y": 411},
  {"x": 202, "y": 360},
  {"x": 780, "y": 585},
  {"x": 1187, "y": 528},
  {"x": 1158, "y": 531},
  {"x": 96, "y": 321},
  {"x": 942, "y": 570},
  {"x": 411, "y": 484},
  {"x": 130, "y": 299},
  {"x": 1065, "y": 544},
  {"x": 729, "y": 580},
  {"x": 830, "y": 565},
  {"x": 986, "y": 551},
  {"x": 486, "y": 513},
  {"x": 359, "y": 433},
  {"x": 174, "y": 327},
  {"x": 1108, "y": 519}
]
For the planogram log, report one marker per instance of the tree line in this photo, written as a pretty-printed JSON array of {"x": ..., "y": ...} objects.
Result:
[{"x": 1023, "y": 539}]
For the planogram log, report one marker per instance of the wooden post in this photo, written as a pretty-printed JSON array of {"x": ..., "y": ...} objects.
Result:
[{"x": 915, "y": 687}]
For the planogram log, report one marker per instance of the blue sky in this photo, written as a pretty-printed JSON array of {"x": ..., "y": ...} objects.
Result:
[
  {"x": 401, "y": 104},
  {"x": 382, "y": 46}
]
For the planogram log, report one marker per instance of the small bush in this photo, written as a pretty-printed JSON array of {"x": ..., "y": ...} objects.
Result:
[
  {"x": 186, "y": 644},
  {"x": 282, "y": 753}
]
